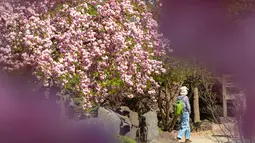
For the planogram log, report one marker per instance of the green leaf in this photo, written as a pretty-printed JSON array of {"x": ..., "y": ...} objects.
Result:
[
  {"x": 92, "y": 10},
  {"x": 124, "y": 139}
]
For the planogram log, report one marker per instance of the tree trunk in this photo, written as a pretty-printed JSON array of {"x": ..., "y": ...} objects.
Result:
[
  {"x": 224, "y": 100},
  {"x": 62, "y": 107},
  {"x": 160, "y": 104},
  {"x": 168, "y": 104},
  {"x": 174, "y": 94},
  {"x": 196, "y": 106}
]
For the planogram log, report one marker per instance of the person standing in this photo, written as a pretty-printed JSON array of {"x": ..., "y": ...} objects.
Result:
[{"x": 185, "y": 126}]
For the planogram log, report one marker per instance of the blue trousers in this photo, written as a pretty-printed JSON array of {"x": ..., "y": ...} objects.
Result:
[{"x": 185, "y": 127}]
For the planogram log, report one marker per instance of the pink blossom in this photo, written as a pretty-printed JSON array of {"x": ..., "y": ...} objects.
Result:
[
  {"x": 130, "y": 96},
  {"x": 74, "y": 43}
]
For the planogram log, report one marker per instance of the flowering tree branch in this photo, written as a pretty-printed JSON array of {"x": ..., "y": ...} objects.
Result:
[{"x": 92, "y": 48}]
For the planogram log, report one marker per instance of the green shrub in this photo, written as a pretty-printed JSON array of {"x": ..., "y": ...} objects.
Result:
[
  {"x": 160, "y": 130},
  {"x": 124, "y": 139}
]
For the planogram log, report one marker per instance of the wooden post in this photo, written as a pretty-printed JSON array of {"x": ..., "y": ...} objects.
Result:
[
  {"x": 224, "y": 97},
  {"x": 196, "y": 106}
]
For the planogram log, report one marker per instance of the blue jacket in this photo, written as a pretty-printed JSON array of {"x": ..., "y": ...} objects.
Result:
[{"x": 185, "y": 100}]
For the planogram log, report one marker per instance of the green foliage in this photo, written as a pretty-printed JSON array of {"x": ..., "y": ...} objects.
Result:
[
  {"x": 78, "y": 111},
  {"x": 92, "y": 10},
  {"x": 181, "y": 71},
  {"x": 58, "y": 8},
  {"x": 112, "y": 81},
  {"x": 72, "y": 81},
  {"x": 240, "y": 8},
  {"x": 124, "y": 139},
  {"x": 92, "y": 110},
  {"x": 154, "y": 7},
  {"x": 160, "y": 130},
  {"x": 199, "y": 76},
  {"x": 176, "y": 71}
]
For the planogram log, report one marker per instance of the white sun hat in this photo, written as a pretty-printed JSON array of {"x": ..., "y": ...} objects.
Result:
[{"x": 184, "y": 90}]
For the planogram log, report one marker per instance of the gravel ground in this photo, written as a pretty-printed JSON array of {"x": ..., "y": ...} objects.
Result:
[
  {"x": 214, "y": 136},
  {"x": 206, "y": 138}
]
